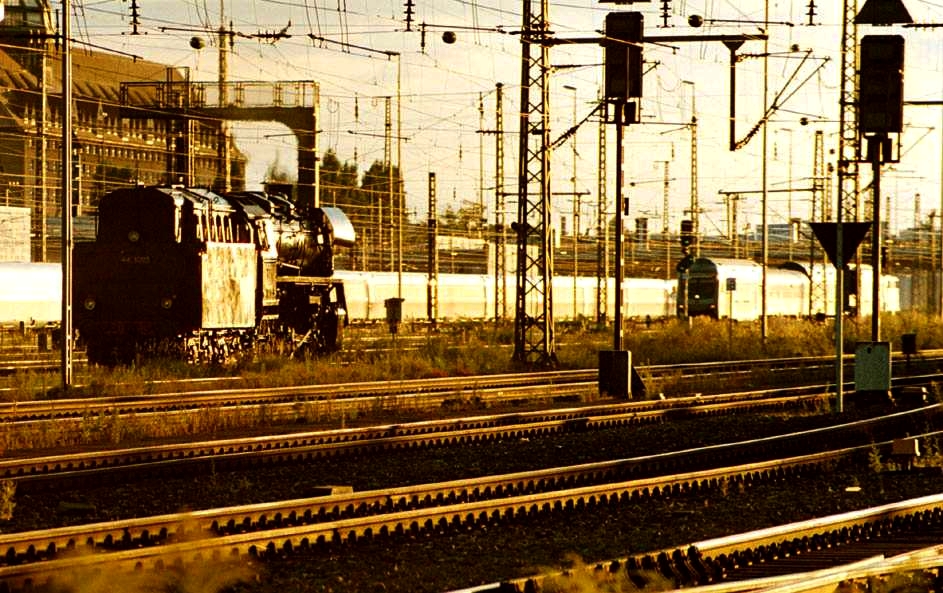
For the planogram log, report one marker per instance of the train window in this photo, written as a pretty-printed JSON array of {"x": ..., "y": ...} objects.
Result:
[
  {"x": 263, "y": 236},
  {"x": 243, "y": 233}
]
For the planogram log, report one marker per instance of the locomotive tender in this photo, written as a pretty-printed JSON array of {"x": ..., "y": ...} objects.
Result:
[{"x": 186, "y": 271}]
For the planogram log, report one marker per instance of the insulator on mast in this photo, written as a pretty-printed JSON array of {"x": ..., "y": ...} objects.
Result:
[
  {"x": 134, "y": 17},
  {"x": 409, "y": 14},
  {"x": 811, "y": 12}
]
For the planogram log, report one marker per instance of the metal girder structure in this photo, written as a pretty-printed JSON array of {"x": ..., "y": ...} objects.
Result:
[
  {"x": 432, "y": 284},
  {"x": 533, "y": 323},
  {"x": 500, "y": 251},
  {"x": 388, "y": 161},
  {"x": 848, "y": 153},
  {"x": 818, "y": 292},
  {"x": 602, "y": 231},
  {"x": 695, "y": 205}
]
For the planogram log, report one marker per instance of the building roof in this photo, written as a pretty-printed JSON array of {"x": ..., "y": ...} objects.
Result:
[
  {"x": 13, "y": 75},
  {"x": 95, "y": 75},
  {"x": 99, "y": 75}
]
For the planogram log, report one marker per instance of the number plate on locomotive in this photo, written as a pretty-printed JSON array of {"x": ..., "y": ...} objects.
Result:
[{"x": 135, "y": 259}]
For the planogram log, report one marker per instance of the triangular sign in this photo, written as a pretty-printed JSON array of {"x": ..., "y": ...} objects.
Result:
[
  {"x": 883, "y": 12},
  {"x": 852, "y": 234}
]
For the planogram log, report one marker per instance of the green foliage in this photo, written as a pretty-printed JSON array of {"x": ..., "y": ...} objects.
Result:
[
  {"x": 339, "y": 186},
  {"x": 875, "y": 463}
]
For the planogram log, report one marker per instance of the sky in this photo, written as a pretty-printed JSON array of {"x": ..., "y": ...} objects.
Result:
[{"x": 447, "y": 94}]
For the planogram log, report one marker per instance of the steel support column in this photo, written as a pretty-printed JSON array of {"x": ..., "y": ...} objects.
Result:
[{"x": 533, "y": 324}]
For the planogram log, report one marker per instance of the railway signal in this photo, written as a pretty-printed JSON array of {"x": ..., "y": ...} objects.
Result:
[
  {"x": 623, "y": 48},
  {"x": 881, "y": 85},
  {"x": 687, "y": 234}
]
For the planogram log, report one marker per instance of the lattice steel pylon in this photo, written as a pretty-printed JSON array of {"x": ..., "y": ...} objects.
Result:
[
  {"x": 500, "y": 251},
  {"x": 818, "y": 291},
  {"x": 432, "y": 284},
  {"x": 848, "y": 154},
  {"x": 533, "y": 323},
  {"x": 695, "y": 204},
  {"x": 602, "y": 229}
]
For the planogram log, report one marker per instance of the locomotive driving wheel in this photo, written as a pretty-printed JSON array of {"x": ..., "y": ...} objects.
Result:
[{"x": 322, "y": 337}]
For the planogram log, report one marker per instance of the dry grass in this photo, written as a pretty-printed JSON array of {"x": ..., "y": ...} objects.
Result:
[{"x": 474, "y": 349}]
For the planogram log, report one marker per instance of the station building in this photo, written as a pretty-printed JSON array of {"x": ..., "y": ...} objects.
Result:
[{"x": 109, "y": 151}]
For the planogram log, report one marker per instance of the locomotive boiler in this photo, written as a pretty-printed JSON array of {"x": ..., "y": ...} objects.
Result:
[{"x": 188, "y": 272}]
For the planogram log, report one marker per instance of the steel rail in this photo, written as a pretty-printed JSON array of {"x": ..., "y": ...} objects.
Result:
[
  {"x": 693, "y": 564},
  {"x": 195, "y": 399},
  {"x": 350, "y": 504},
  {"x": 11, "y": 365},
  {"x": 447, "y": 387},
  {"x": 804, "y": 537},
  {"x": 79, "y": 407},
  {"x": 173, "y": 459},
  {"x": 280, "y": 540},
  {"x": 296, "y": 410},
  {"x": 314, "y": 444},
  {"x": 318, "y": 443}
]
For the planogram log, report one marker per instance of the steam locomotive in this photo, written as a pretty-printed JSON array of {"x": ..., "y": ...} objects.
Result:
[{"x": 188, "y": 272}]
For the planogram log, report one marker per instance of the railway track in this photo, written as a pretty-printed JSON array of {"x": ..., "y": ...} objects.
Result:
[
  {"x": 274, "y": 529},
  {"x": 229, "y": 453},
  {"x": 837, "y": 552},
  {"x": 50, "y": 363},
  {"x": 444, "y": 388},
  {"x": 168, "y": 414},
  {"x": 68, "y": 420},
  {"x": 35, "y": 362},
  {"x": 440, "y": 390}
]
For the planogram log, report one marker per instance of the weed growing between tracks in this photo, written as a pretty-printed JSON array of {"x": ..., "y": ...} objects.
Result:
[
  {"x": 580, "y": 577},
  {"x": 456, "y": 353},
  {"x": 211, "y": 576},
  {"x": 484, "y": 349},
  {"x": 7, "y": 492}
]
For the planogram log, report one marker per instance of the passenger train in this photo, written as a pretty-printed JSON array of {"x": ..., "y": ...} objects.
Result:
[
  {"x": 727, "y": 288},
  {"x": 716, "y": 288},
  {"x": 472, "y": 296}
]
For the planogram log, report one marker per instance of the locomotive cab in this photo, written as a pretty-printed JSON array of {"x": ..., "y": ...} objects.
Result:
[{"x": 703, "y": 288}]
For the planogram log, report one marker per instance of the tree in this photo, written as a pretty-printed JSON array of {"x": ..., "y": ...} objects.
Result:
[
  {"x": 338, "y": 181},
  {"x": 376, "y": 195},
  {"x": 339, "y": 188}
]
